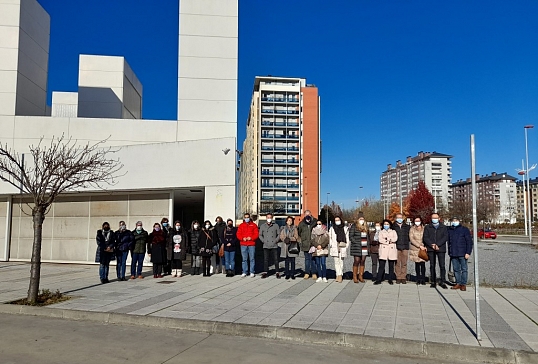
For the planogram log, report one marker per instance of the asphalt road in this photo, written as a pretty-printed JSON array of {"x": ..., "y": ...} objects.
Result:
[{"x": 26, "y": 339}]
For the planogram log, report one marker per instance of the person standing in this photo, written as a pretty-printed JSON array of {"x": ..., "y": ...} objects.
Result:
[
  {"x": 270, "y": 236},
  {"x": 248, "y": 233},
  {"x": 230, "y": 244},
  {"x": 374, "y": 249},
  {"x": 139, "y": 250},
  {"x": 157, "y": 250},
  {"x": 177, "y": 248},
  {"x": 124, "y": 243},
  {"x": 435, "y": 239},
  {"x": 166, "y": 229},
  {"x": 338, "y": 245},
  {"x": 320, "y": 242},
  {"x": 196, "y": 260},
  {"x": 387, "y": 251},
  {"x": 106, "y": 240},
  {"x": 460, "y": 247},
  {"x": 416, "y": 233},
  {"x": 402, "y": 245},
  {"x": 206, "y": 241},
  {"x": 289, "y": 235},
  {"x": 359, "y": 238},
  {"x": 216, "y": 261},
  {"x": 305, "y": 233}
]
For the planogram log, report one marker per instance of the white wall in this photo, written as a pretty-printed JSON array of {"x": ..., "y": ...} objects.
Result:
[{"x": 64, "y": 104}]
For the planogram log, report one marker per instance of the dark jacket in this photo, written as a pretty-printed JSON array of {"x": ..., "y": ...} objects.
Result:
[
  {"x": 177, "y": 240},
  {"x": 270, "y": 235},
  {"x": 230, "y": 237},
  {"x": 193, "y": 241},
  {"x": 355, "y": 240},
  {"x": 206, "y": 241},
  {"x": 104, "y": 242},
  {"x": 305, "y": 233},
  {"x": 437, "y": 236},
  {"x": 157, "y": 247},
  {"x": 403, "y": 235},
  {"x": 124, "y": 240},
  {"x": 459, "y": 241},
  {"x": 140, "y": 241},
  {"x": 374, "y": 243},
  {"x": 219, "y": 228}
]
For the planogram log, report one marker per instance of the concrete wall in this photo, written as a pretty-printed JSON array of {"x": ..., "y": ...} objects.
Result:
[
  {"x": 4, "y": 233},
  {"x": 64, "y": 104}
]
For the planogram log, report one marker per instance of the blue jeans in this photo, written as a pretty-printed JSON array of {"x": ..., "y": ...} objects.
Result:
[
  {"x": 309, "y": 264},
  {"x": 247, "y": 253},
  {"x": 289, "y": 265},
  {"x": 121, "y": 261},
  {"x": 460, "y": 270},
  {"x": 229, "y": 260},
  {"x": 321, "y": 263},
  {"x": 137, "y": 262},
  {"x": 104, "y": 266}
]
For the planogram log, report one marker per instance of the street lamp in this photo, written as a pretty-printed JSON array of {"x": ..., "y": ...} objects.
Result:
[
  {"x": 528, "y": 179},
  {"x": 327, "y": 210},
  {"x": 521, "y": 172}
]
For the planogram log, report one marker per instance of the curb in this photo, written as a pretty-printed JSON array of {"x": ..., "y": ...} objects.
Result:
[{"x": 430, "y": 350}]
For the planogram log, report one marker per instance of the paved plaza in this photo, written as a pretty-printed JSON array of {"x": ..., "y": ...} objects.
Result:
[{"x": 509, "y": 316}]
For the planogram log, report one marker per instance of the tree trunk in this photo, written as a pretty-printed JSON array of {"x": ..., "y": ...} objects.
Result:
[{"x": 38, "y": 216}]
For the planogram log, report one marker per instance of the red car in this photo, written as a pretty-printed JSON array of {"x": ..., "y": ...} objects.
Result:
[{"x": 487, "y": 234}]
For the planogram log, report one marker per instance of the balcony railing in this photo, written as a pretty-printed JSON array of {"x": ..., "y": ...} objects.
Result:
[
  {"x": 280, "y": 99},
  {"x": 271, "y": 111},
  {"x": 291, "y": 149},
  {"x": 280, "y": 186},
  {"x": 279, "y": 198},
  {"x": 271, "y": 173}
]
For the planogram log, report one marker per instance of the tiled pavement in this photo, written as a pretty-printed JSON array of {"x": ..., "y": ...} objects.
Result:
[{"x": 509, "y": 316}]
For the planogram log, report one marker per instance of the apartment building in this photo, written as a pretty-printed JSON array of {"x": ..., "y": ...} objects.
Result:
[{"x": 533, "y": 196}]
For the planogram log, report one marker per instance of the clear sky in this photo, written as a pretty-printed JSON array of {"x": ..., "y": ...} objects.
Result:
[{"x": 395, "y": 77}]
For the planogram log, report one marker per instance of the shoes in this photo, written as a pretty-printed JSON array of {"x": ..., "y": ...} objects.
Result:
[
  {"x": 404, "y": 281},
  {"x": 278, "y": 275},
  {"x": 293, "y": 277},
  {"x": 457, "y": 286},
  {"x": 391, "y": 282},
  {"x": 361, "y": 274},
  {"x": 160, "y": 276},
  {"x": 423, "y": 282},
  {"x": 243, "y": 275},
  {"x": 433, "y": 285},
  {"x": 355, "y": 274},
  {"x": 338, "y": 279},
  {"x": 133, "y": 277},
  {"x": 252, "y": 275},
  {"x": 443, "y": 286},
  {"x": 325, "y": 280},
  {"x": 140, "y": 277},
  {"x": 287, "y": 278},
  {"x": 398, "y": 281},
  {"x": 463, "y": 288},
  {"x": 377, "y": 282},
  {"x": 319, "y": 280},
  {"x": 306, "y": 276},
  {"x": 264, "y": 275},
  {"x": 314, "y": 277},
  {"x": 154, "y": 276},
  {"x": 103, "y": 281}
]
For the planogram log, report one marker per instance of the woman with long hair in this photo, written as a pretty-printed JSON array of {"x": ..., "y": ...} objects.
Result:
[
  {"x": 289, "y": 235},
  {"x": 360, "y": 243},
  {"x": 338, "y": 243},
  {"x": 387, "y": 251},
  {"x": 416, "y": 245}
]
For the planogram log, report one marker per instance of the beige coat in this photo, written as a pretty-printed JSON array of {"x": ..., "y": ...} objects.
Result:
[
  {"x": 415, "y": 239},
  {"x": 387, "y": 245},
  {"x": 334, "y": 250},
  {"x": 293, "y": 235}
]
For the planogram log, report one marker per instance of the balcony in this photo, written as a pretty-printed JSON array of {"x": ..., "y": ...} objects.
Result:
[
  {"x": 280, "y": 99},
  {"x": 272, "y": 173},
  {"x": 294, "y": 186},
  {"x": 281, "y": 112}
]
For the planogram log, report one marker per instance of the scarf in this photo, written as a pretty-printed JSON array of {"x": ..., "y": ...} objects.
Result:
[
  {"x": 340, "y": 233},
  {"x": 318, "y": 230}
]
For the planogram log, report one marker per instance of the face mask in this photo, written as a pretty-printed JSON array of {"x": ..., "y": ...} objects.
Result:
[
  {"x": 106, "y": 228},
  {"x": 247, "y": 219},
  {"x": 196, "y": 226},
  {"x": 207, "y": 226},
  {"x": 455, "y": 223},
  {"x": 399, "y": 221},
  {"x": 378, "y": 228},
  {"x": 319, "y": 225},
  {"x": 386, "y": 227},
  {"x": 308, "y": 219},
  {"x": 361, "y": 222},
  {"x": 165, "y": 224},
  {"x": 417, "y": 223},
  {"x": 123, "y": 227},
  {"x": 230, "y": 225},
  {"x": 178, "y": 227},
  {"x": 269, "y": 221},
  {"x": 435, "y": 221},
  {"x": 338, "y": 223},
  {"x": 157, "y": 228},
  {"x": 139, "y": 228}
]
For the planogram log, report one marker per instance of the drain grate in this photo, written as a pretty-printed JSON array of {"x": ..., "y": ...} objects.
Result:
[{"x": 165, "y": 282}]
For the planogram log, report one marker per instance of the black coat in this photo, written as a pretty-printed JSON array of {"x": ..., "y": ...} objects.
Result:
[
  {"x": 355, "y": 249},
  {"x": 124, "y": 240},
  {"x": 437, "y": 236},
  {"x": 230, "y": 237},
  {"x": 193, "y": 241},
  {"x": 102, "y": 243},
  {"x": 182, "y": 239},
  {"x": 460, "y": 241},
  {"x": 403, "y": 235},
  {"x": 157, "y": 247},
  {"x": 220, "y": 227},
  {"x": 206, "y": 241}
]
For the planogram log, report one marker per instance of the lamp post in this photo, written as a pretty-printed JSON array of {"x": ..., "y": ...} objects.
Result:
[
  {"x": 327, "y": 210},
  {"x": 528, "y": 180},
  {"x": 521, "y": 172}
]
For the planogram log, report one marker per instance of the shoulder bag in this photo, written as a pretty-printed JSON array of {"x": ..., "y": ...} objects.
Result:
[
  {"x": 422, "y": 254},
  {"x": 293, "y": 248}
]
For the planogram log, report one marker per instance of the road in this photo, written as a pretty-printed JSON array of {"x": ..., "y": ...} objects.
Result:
[
  {"x": 26, "y": 339},
  {"x": 511, "y": 239}
]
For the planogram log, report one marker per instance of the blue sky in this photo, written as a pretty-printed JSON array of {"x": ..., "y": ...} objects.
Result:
[{"x": 395, "y": 77}]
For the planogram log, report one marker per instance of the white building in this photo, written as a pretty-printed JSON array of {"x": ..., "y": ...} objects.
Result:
[{"x": 108, "y": 99}]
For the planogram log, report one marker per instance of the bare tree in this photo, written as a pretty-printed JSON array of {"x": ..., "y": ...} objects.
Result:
[{"x": 54, "y": 169}]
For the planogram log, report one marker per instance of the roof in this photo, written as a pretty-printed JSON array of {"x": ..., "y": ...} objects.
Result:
[
  {"x": 494, "y": 177},
  {"x": 441, "y": 155}
]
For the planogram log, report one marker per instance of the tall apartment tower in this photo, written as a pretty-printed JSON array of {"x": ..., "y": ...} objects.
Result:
[
  {"x": 432, "y": 168},
  {"x": 280, "y": 164}
]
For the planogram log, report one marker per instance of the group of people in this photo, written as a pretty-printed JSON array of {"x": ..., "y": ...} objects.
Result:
[{"x": 212, "y": 248}]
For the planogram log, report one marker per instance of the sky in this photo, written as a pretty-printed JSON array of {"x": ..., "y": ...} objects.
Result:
[{"x": 395, "y": 77}]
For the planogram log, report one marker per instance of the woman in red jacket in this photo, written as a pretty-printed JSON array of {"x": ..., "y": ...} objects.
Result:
[
  {"x": 157, "y": 250},
  {"x": 248, "y": 233}
]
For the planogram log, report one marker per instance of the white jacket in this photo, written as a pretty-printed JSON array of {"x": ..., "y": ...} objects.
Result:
[{"x": 334, "y": 250}]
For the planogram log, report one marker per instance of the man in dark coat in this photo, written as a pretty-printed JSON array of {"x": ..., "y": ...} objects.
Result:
[
  {"x": 106, "y": 240},
  {"x": 435, "y": 239},
  {"x": 166, "y": 229},
  {"x": 402, "y": 244},
  {"x": 460, "y": 247},
  {"x": 305, "y": 234},
  {"x": 220, "y": 227},
  {"x": 124, "y": 243}
]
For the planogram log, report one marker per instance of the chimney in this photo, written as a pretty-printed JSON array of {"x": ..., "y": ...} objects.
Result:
[
  {"x": 408, "y": 158},
  {"x": 477, "y": 177},
  {"x": 493, "y": 174},
  {"x": 468, "y": 180},
  {"x": 389, "y": 166}
]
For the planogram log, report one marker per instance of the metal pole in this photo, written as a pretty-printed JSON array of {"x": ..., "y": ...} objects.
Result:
[
  {"x": 475, "y": 242},
  {"x": 327, "y": 209},
  {"x": 529, "y": 205},
  {"x": 400, "y": 179},
  {"x": 524, "y": 197}
]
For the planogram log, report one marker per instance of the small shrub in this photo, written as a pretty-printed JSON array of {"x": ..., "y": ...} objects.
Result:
[{"x": 44, "y": 298}]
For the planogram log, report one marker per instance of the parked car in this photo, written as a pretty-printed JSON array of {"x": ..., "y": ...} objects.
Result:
[{"x": 486, "y": 234}]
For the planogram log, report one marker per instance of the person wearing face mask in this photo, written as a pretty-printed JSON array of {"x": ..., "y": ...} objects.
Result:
[
  {"x": 305, "y": 233},
  {"x": 387, "y": 251},
  {"x": 320, "y": 242},
  {"x": 206, "y": 241},
  {"x": 338, "y": 245},
  {"x": 289, "y": 235},
  {"x": 416, "y": 234},
  {"x": 402, "y": 245},
  {"x": 157, "y": 250},
  {"x": 124, "y": 243},
  {"x": 106, "y": 240},
  {"x": 359, "y": 238},
  {"x": 435, "y": 239},
  {"x": 177, "y": 248},
  {"x": 270, "y": 236},
  {"x": 460, "y": 247},
  {"x": 138, "y": 253},
  {"x": 248, "y": 233},
  {"x": 216, "y": 261},
  {"x": 166, "y": 229},
  {"x": 374, "y": 249},
  {"x": 196, "y": 260},
  {"x": 230, "y": 244}
]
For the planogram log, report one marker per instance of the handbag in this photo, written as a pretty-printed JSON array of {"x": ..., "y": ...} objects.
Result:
[
  {"x": 293, "y": 248},
  {"x": 312, "y": 250},
  {"x": 221, "y": 250},
  {"x": 451, "y": 277},
  {"x": 422, "y": 254},
  {"x": 342, "y": 245}
]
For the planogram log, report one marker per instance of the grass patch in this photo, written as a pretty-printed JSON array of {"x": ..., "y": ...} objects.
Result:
[{"x": 44, "y": 298}]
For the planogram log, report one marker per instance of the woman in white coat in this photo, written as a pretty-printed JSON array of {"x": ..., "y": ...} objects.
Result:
[
  {"x": 338, "y": 245},
  {"x": 387, "y": 251}
]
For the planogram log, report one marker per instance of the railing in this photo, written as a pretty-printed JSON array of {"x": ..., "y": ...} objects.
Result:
[
  {"x": 279, "y": 173},
  {"x": 280, "y": 186},
  {"x": 271, "y": 111},
  {"x": 280, "y": 99},
  {"x": 279, "y": 198}
]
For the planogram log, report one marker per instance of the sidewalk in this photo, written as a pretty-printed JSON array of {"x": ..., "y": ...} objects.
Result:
[{"x": 509, "y": 316}]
